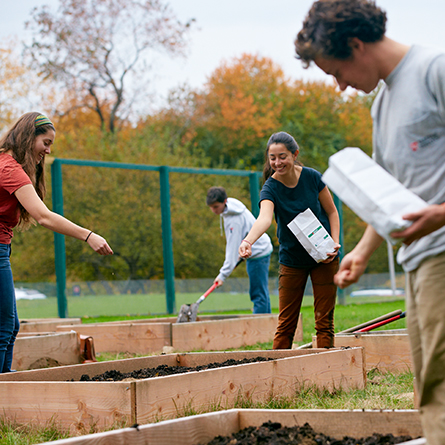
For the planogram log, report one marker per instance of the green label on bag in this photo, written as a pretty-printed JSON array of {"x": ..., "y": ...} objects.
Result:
[{"x": 314, "y": 232}]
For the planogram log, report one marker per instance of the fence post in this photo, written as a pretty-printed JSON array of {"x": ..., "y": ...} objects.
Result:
[
  {"x": 167, "y": 239},
  {"x": 59, "y": 240},
  {"x": 254, "y": 185},
  {"x": 340, "y": 292}
]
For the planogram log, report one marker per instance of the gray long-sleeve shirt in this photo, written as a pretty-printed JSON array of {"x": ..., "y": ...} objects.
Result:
[{"x": 409, "y": 137}]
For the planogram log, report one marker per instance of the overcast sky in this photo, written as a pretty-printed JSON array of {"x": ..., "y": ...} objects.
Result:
[{"x": 226, "y": 29}]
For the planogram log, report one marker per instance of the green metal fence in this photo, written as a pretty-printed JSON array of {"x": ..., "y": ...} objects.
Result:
[{"x": 167, "y": 240}]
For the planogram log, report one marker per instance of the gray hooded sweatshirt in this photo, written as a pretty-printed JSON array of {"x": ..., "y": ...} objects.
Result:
[{"x": 238, "y": 221}]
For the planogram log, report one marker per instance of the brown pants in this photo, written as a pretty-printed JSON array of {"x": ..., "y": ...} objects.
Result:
[{"x": 291, "y": 284}]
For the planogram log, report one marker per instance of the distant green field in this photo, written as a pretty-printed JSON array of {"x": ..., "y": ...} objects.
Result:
[
  {"x": 132, "y": 304},
  {"x": 149, "y": 304}
]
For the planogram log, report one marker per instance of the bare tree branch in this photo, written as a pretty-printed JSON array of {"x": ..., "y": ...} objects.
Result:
[{"x": 100, "y": 45}]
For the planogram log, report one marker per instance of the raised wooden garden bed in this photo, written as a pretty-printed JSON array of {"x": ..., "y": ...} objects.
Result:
[
  {"x": 41, "y": 395},
  {"x": 41, "y": 350},
  {"x": 46, "y": 324},
  {"x": 202, "y": 428},
  {"x": 384, "y": 350},
  {"x": 207, "y": 333}
]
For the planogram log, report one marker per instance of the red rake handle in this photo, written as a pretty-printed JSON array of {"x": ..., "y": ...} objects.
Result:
[
  {"x": 380, "y": 323},
  {"x": 207, "y": 292}
]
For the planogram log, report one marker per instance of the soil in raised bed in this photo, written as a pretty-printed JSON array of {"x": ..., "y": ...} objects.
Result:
[
  {"x": 273, "y": 433},
  {"x": 163, "y": 370}
]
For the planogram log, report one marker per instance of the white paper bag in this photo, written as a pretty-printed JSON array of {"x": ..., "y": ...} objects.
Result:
[
  {"x": 370, "y": 191},
  {"x": 312, "y": 235}
]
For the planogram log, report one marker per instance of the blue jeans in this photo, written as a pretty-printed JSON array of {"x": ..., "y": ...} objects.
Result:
[
  {"x": 9, "y": 321},
  {"x": 258, "y": 271}
]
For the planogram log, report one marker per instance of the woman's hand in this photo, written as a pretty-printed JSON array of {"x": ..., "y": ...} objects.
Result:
[
  {"x": 99, "y": 244},
  {"x": 332, "y": 255}
]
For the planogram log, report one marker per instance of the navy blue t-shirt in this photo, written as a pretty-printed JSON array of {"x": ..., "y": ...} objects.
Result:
[{"x": 289, "y": 202}]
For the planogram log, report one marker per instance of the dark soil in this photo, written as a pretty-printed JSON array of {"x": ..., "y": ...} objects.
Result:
[
  {"x": 272, "y": 433},
  {"x": 163, "y": 370}
]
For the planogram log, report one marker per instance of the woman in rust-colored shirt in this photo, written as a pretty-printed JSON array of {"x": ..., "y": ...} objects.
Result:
[{"x": 22, "y": 189}]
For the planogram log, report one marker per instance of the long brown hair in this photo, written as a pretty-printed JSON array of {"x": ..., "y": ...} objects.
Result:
[{"x": 20, "y": 140}]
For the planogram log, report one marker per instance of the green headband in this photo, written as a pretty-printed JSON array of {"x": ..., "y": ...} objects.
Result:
[{"x": 42, "y": 120}]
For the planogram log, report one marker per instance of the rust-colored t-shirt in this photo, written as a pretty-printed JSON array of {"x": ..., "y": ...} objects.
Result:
[{"x": 12, "y": 177}]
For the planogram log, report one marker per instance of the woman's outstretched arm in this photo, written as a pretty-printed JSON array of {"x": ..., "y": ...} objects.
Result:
[
  {"x": 29, "y": 199},
  {"x": 259, "y": 227}
]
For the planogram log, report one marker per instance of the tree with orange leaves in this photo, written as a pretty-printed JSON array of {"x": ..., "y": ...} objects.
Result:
[
  {"x": 95, "y": 48},
  {"x": 324, "y": 120},
  {"x": 240, "y": 106}
]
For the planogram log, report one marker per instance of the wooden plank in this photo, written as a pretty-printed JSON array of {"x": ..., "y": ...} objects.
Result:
[
  {"x": 152, "y": 335},
  {"x": 204, "y": 427},
  {"x": 46, "y": 324},
  {"x": 75, "y": 372},
  {"x": 196, "y": 429},
  {"x": 80, "y": 406},
  {"x": 204, "y": 358},
  {"x": 46, "y": 350},
  {"x": 330, "y": 369},
  {"x": 164, "y": 397},
  {"x": 222, "y": 334},
  {"x": 299, "y": 332},
  {"x": 33, "y": 334},
  {"x": 385, "y": 352},
  {"x": 137, "y": 338},
  {"x": 338, "y": 423}
]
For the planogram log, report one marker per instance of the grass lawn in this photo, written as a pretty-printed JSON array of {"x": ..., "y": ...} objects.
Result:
[
  {"x": 154, "y": 304},
  {"x": 131, "y": 304}
]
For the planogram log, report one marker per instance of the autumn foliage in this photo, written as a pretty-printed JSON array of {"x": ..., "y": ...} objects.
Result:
[
  {"x": 240, "y": 104},
  {"x": 226, "y": 124}
]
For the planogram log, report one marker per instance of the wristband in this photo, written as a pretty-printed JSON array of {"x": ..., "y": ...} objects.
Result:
[
  {"x": 248, "y": 242},
  {"x": 86, "y": 239}
]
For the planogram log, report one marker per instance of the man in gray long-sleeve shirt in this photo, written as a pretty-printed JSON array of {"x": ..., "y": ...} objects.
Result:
[
  {"x": 238, "y": 221},
  {"x": 346, "y": 39}
]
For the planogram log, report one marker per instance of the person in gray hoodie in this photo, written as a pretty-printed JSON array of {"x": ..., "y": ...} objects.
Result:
[{"x": 238, "y": 221}]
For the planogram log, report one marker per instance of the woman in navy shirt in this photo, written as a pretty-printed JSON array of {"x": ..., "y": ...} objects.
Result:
[{"x": 289, "y": 190}]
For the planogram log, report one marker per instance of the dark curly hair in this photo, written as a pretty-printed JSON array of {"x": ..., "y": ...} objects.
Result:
[{"x": 331, "y": 24}]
